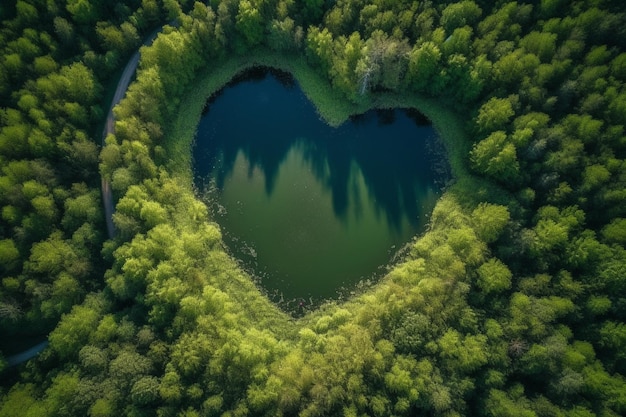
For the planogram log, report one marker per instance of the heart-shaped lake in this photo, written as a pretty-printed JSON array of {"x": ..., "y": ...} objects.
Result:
[{"x": 310, "y": 209}]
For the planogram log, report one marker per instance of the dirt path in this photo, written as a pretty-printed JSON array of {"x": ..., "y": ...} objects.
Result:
[
  {"x": 107, "y": 195},
  {"x": 109, "y": 128},
  {"x": 14, "y": 360}
]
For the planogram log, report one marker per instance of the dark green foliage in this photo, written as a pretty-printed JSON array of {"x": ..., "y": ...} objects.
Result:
[
  {"x": 512, "y": 304},
  {"x": 51, "y": 227}
]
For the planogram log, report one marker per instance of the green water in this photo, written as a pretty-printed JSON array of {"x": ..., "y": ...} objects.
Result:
[{"x": 311, "y": 210}]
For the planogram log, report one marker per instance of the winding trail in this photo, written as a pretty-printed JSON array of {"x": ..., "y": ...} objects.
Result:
[
  {"x": 16, "y": 359},
  {"x": 107, "y": 194},
  {"x": 109, "y": 127}
]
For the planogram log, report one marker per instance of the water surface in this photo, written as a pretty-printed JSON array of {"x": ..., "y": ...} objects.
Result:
[{"x": 309, "y": 208}]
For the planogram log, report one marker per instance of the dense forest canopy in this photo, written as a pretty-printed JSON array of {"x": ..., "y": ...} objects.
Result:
[{"x": 512, "y": 304}]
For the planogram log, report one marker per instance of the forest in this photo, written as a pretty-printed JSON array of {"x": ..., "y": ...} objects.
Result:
[{"x": 513, "y": 303}]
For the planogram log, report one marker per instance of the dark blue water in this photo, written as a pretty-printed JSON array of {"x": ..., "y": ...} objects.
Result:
[{"x": 309, "y": 208}]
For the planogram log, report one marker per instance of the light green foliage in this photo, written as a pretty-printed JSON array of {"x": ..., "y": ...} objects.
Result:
[
  {"x": 191, "y": 354},
  {"x": 84, "y": 208},
  {"x": 173, "y": 9},
  {"x": 26, "y": 12},
  {"x": 9, "y": 255},
  {"x": 122, "y": 39},
  {"x": 552, "y": 231},
  {"x": 13, "y": 140},
  {"x": 495, "y": 114},
  {"x": 61, "y": 392},
  {"x": 320, "y": 48},
  {"x": 181, "y": 330},
  {"x": 489, "y": 221},
  {"x": 84, "y": 11},
  {"x": 73, "y": 331},
  {"x": 595, "y": 176},
  {"x": 615, "y": 232},
  {"x": 457, "y": 15},
  {"x": 531, "y": 316},
  {"x": 350, "y": 65},
  {"x": 145, "y": 99},
  {"x": 466, "y": 245},
  {"x": 496, "y": 157},
  {"x": 515, "y": 66},
  {"x": 464, "y": 353},
  {"x": 163, "y": 72},
  {"x": 250, "y": 22},
  {"x": 21, "y": 400},
  {"x": 541, "y": 44},
  {"x": 153, "y": 214},
  {"x": 74, "y": 83},
  {"x": 262, "y": 398},
  {"x": 598, "y": 305},
  {"x": 424, "y": 66},
  {"x": 53, "y": 256},
  {"x": 549, "y": 235},
  {"x": 503, "y": 404},
  {"x": 494, "y": 276},
  {"x": 617, "y": 107},
  {"x": 618, "y": 66},
  {"x": 102, "y": 407},
  {"x": 459, "y": 42}
]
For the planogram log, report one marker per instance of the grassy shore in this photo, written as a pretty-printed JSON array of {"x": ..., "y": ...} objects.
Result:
[
  {"x": 334, "y": 109},
  {"x": 331, "y": 106}
]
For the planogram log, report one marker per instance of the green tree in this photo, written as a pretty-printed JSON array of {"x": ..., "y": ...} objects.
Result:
[
  {"x": 502, "y": 404},
  {"x": 64, "y": 31},
  {"x": 495, "y": 114},
  {"x": 145, "y": 391},
  {"x": 26, "y": 13},
  {"x": 387, "y": 61},
  {"x": 250, "y": 23},
  {"x": 55, "y": 255},
  {"x": 66, "y": 292},
  {"x": 22, "y": 400},
  {"x": 424, "y": 66},
  {"x": 459, "y": 42},
  {"x": 350, "y": 66},
  {"x": 460, "y": 14},
  {"x": 514, "y": 68},
  {"x": 494, "y": 276},
  {"x": 128, "y": 368},
  {"x": 489, "y": 221},
  {"x": 122, "y": 39},
  {"x": 9, "y": 255},
  {"x": 615, "y": 232},
  {"x": 541, "y": 44},
  {"x": 285, "y": 35},
  {"x": 93, "y": 359},
  {"x": 496, "y": 157},
  {"x": 84, "y": 12},
  {"x": 312, "y": 10},
  {"x": 320, "y": 48},
  {"x": 73, "y": 331}
]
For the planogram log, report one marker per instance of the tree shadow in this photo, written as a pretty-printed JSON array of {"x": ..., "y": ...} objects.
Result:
[{"x": 261, "y": 115}]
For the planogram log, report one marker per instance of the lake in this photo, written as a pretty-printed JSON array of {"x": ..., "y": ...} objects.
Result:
[{"x": 311, "y": 210}]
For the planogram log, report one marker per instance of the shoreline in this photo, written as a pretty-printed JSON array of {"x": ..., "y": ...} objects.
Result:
[{"x": 334, "y": 110}]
